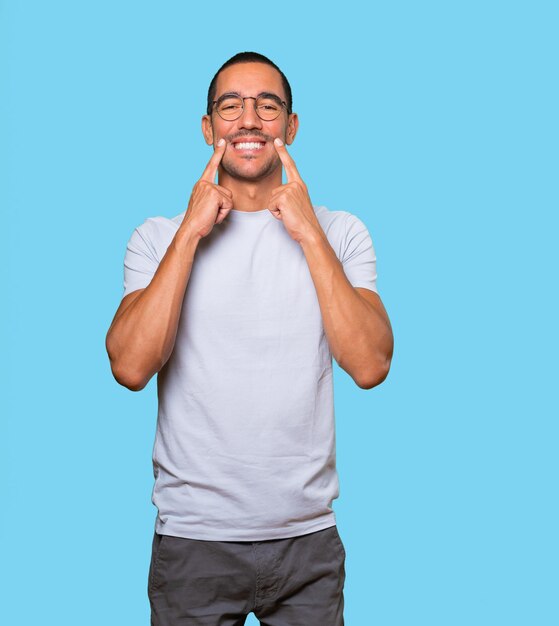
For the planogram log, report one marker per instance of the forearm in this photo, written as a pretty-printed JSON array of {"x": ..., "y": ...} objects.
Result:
[
  {"x": 359, "y": 336},
  {"x": 141, "y": 337}
]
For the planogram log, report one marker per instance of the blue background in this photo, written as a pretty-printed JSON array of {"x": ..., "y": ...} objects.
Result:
[{"x": 436, "y": 123}]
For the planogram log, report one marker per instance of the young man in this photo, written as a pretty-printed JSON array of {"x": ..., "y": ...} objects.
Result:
[{"x": 239, "y": 304}]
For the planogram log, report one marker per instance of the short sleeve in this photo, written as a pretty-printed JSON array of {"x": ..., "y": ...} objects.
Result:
[
  {"x": 140, "y": 260},
  {"x": 358, "y": 255}
]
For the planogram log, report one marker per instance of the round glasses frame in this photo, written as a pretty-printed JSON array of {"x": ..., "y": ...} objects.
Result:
[{"x": 255, "y": 98}]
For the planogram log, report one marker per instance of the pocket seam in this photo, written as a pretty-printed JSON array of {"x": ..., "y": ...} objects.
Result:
[
  {"x": 339, "y": 541},
  {"x": 155, "y": 568}
]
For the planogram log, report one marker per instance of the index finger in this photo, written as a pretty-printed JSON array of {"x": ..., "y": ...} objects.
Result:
[
  {"x": 288, "y": 163},
  {"x": 211, "y": 168}
]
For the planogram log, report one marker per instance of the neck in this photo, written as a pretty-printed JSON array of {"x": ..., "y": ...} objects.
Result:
[{"x": 250, "y": 195}]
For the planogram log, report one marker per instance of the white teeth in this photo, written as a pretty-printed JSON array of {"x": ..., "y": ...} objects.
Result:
[{"x": 252, "y": 145}]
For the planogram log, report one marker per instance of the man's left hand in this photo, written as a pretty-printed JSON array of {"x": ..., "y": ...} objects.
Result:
[{"x": 291, "y": 202}]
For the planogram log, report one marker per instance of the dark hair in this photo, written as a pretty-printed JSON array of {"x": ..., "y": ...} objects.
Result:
[{"x": 249, "y": 57}]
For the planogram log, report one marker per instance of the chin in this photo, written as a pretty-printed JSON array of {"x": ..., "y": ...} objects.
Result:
[{"x": 249, "y": 170}]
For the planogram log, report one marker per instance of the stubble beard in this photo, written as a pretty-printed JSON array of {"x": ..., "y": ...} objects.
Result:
[{"x": 238, "y": 172}]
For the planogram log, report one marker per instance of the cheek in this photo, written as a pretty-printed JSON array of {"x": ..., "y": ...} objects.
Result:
[
  {"x": 219, "y": 130},
  {"x": 278, "y": 130}
]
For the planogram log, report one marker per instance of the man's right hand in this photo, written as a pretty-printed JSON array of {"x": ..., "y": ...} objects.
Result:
[{"x": 209, "y": 203}]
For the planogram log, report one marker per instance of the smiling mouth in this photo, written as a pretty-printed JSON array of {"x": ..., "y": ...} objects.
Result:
[{"x": 249, "y": 145}]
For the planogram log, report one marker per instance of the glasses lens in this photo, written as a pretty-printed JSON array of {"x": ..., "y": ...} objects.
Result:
[
  {"x": 230, "y": 108},
  {"x": 268, "y": 108}
]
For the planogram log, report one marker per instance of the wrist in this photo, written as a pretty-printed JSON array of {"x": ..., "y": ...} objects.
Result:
[
  {"x": 187, "y": 235},
  {"x": 313, "y": 236}
]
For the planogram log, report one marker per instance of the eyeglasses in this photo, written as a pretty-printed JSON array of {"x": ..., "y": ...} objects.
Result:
[{"x": 267, "y": 106}]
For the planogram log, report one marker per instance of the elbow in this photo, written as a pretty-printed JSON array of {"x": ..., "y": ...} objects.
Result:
[
  {"x": 126, "y": 374},
  {"x": 378, "y": 369},
  {"x": 374, "y": 377},
  {"x": 134, "y": 384},
  {"x": 129, "y": 379}
]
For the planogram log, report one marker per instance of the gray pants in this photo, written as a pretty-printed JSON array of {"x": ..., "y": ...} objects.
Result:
[{"x": 286, "y": 582}]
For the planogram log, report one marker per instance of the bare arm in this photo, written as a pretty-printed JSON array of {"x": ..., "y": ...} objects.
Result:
[
  {"x": 355, "y": 321},
  {"x": 143, "y": 332}
]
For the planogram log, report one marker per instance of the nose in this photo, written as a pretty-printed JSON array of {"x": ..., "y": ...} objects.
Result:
[{"x": 248, "y": 118}]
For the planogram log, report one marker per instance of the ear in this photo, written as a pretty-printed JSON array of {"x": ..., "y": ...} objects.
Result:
[
  {"x": 207, "y": 129},
  {"x": 292, "y": 127}
]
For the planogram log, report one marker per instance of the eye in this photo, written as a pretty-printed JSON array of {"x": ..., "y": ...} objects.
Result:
[
  {"x": 230, "y": 104},
  {"x": 268, "y": 105}
]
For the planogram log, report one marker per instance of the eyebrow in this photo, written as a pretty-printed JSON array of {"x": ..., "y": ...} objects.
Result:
[{"x": 262, "y": 93}]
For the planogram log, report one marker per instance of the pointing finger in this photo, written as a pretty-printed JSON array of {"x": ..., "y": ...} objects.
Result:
[
  {"x": 288, "y": 163},
  {"x": 224, "y": 190},
  {"x": 211, "y": 168}
]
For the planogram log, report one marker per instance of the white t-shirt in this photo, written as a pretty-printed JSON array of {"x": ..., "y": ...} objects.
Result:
[{"x": 245, "y": 442}]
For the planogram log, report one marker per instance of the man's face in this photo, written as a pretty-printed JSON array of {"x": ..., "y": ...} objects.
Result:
[{"x": 254, "y": 163}]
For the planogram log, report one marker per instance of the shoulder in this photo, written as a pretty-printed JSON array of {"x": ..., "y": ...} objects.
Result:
[
  {"x": 339, "y": 226},
  {"x": 350, "y": 239},
  {"x": 156, "y": 233},
  {"x": 336, "y": 221},
  {"x": 157, "y": 227}
]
